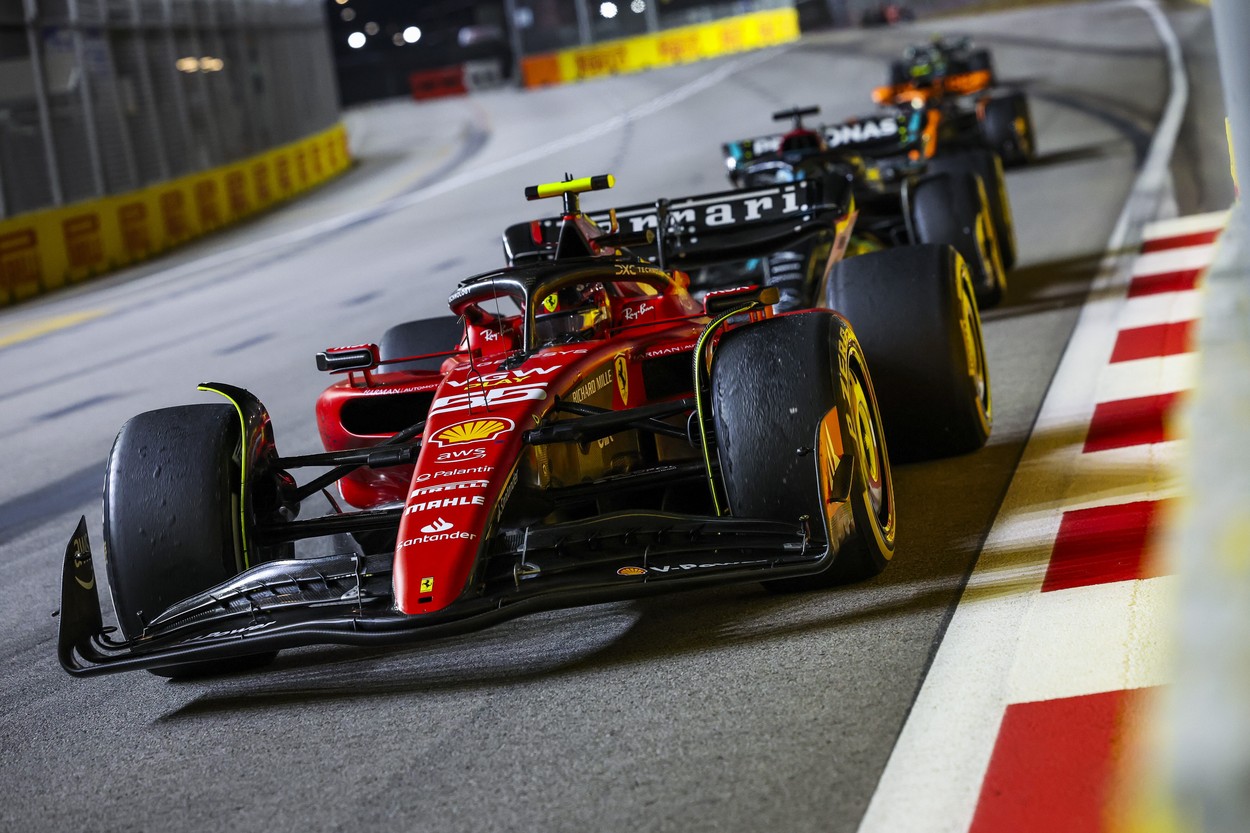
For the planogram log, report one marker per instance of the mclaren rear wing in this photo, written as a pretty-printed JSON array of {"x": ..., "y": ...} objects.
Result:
[{"x": 692, "y": 232}]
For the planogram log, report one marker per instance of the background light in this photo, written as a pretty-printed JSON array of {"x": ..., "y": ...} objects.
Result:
[
  {"x": 356, "y": 40},
  {"x": 608, "y": 10},
  {"x": 371, "y": 28},
  {"x": 412, "y": 34},
  {"x": 638, "y": 6},
  {"x": 348, "y": 14}
]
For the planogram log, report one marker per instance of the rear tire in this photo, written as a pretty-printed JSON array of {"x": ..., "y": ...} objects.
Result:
[
  {"x": 415, "y": 338},
  {"x": 953, "y": 208},
  {"x": 987, "y": 165},
  {"x": 981, "y": 59},
  {"x": 1008, "y": 128},
  {"x": 172, "y": 520},
  {"x": 914, "y": 312},
  {"x": 773, "y": 383}
]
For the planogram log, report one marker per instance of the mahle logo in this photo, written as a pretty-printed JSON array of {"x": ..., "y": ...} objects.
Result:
[{"x": 473, "y": 431}]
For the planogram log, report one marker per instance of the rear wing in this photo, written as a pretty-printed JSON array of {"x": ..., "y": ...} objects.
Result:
[
  {"x": 702, "y": 230},
  {"x": 872, "y": 136},
  {"x": 879, "y": 135}
]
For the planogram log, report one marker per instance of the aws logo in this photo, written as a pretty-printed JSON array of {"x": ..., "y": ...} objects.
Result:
[
  {"x": 473, "y": 431},
  {"x": 460, "y": 455}
]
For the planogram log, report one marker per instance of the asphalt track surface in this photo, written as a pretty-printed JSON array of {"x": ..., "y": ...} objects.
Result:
[{"x": 726, "y": 709}]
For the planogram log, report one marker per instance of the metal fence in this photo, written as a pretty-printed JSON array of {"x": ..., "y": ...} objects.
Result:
[{"x": 100, "y": 97}]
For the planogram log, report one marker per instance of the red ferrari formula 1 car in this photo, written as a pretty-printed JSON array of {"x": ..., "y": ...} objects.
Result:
[{"x": 581, "y": 430}]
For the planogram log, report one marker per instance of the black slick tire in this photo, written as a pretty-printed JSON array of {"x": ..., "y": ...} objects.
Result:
[
  {"x": 417, "y": 338},
  {"x": 989, "y": 166},
  {"x": 1008, "y": 128},
  {"x": 953, "y": 208},
  {"x": 914, "y": 312},
  {"x": 773, "y": 382},
  {"x": 172, "y": 523}
]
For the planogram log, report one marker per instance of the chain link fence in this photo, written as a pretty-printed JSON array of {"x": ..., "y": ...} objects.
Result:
[{"x": 100, "y": 97}]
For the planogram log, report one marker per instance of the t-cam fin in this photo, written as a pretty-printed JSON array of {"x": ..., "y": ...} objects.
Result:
[{"x": 569, "y": 186}]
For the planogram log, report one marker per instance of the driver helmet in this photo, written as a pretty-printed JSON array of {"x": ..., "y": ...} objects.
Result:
[{"x": 572, "y": 313}]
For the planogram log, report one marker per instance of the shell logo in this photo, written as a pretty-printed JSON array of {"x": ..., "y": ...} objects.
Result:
[
  {"x": 632, "y": 571},
  {"x": 473, "y": 431}
]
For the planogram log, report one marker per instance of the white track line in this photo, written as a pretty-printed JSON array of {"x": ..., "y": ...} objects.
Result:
[{"x": 933, "y": 778}]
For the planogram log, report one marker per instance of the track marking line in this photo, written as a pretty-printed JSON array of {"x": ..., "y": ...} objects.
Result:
[
  {"x": 1161, "y": 309},
  {"x": 1121, "y": 423},
  {"x": 49, "y": 325},
  {"x": 1147, "y": 376},
  {"x": 1183, "y": 225},
  {"x": 1086, "y": 640},
  {"x": 1154, "y": 341},
  {"x": 1056, "y": 760},
  {"x": 1105, "y": 544},
  {"x": 1164, "y": 282}
]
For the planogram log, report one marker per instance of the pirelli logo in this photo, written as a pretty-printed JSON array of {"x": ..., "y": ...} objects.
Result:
[
  {"x": 82, "y": 241},
  {"x": 174, "y": 214},
  {"x": 236, "y": 192},
  {"x": 282, "y": 171},
  {"x": 19, "y": 259},
  {"x": 260, "y": 182},
  {"x": 301, "y": 167},
  {"x": 136, "y": 237},
  {"x": 206, "y": 203}
]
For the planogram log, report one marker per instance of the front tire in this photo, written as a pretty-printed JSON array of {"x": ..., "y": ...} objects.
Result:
[
  {"x": 774, "y": 383},
  {"x": 172, "y": 516}
]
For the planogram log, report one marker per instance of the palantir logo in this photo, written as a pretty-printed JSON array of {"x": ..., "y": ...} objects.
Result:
[{"x": 439, "y": 525}]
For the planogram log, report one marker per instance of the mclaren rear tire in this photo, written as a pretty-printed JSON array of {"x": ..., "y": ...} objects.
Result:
[{"x": 775, "y": 384}]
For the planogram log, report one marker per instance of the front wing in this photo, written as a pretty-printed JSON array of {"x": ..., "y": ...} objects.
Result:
[{"x": 346, "y": 599}]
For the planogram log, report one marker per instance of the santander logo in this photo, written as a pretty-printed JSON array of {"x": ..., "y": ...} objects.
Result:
[{"x": 439, "y": 525}]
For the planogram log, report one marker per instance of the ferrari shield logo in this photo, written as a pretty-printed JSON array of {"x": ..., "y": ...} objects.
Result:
[
  {"x": 427, "y": 585},
  {"x": 622, "y": 378}
]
